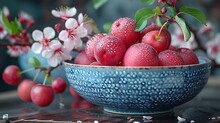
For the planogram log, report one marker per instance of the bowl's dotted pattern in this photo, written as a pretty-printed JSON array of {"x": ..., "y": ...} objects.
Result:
[{"x": 138, "y": 91}]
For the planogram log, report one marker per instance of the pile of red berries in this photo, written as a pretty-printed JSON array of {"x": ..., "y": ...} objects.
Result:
[{"x": 126, "y": 47}]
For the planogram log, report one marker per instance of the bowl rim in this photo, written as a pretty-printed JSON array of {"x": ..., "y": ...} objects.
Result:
[{"x": 205, "y": 59}]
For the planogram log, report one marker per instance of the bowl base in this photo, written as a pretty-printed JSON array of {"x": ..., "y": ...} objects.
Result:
[{"x": 128, "y": 112}]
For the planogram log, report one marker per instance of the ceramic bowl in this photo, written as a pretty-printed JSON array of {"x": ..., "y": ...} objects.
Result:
[{"x": 138, "y": 90}]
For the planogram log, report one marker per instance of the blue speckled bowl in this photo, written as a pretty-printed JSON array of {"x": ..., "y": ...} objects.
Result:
[{"x": 138, "y": 90}]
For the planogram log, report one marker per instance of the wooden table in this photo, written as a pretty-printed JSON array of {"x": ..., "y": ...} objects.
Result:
[{"x": 203, "y": 108}]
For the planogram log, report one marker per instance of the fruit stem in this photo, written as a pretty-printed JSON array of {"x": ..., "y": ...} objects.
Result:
[
  {"x": 162, "y": 29},
  {"x": 45, "y": 79},
  {"x": 28, "y": 70},
  {"x": 61, "y": 101},
  {"x": 36, "y": 75}
]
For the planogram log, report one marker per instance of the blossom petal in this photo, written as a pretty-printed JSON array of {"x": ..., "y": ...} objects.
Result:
[
  {"x": 55, "y": 13},
  {"x": 47, "y": 54},
  {"x": 63, "y": 35},
  {"x": 53, "y": 61},
  {"x": 71, "y": 12},
  {"x": 81, "y": 31},
  {"x": 49, "y": 32},
  {"x": 71, "y": 23},
  {"x": 37, "y": 35},
  {"x": 69, "y": 44},
  {"x": 80, "y": 18},
  {"x": 36, "y": 48},
  {"x": 78, "y": 43}
]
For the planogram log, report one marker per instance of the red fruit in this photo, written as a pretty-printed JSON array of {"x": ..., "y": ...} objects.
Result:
[
  {"x": 188, "y": 56},
  {"x": 84, "y": 104},
  {"x": 149, "y": 28},
  {"x": 59, "y": 85},
  {"x": 42, "y": 95},
  {"x": 90, "y": 45},
  {"x": 140, "y": 54},
  {"x": 82, "y": 58},
  {"x": 158, "y": 42},
  {"x": 171, "y": 47},
  {"x": 11, "y": 75},
  {"x": 96, "y": 63},
  {"x": 24, "y": 90},
  {"x": 74, "y": 93},
  {"x": 110, "y": 51},
  {"x": 170, "y": 58},
  {"x": 124, "y": 28}
]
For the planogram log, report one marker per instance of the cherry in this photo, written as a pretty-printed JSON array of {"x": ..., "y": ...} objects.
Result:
[
  {"x": 74, "y": 93},
  {"x": 42, "y": 95},
  {"x": 96, "y": 63},
  {"x": 82, "y": 58},
  {"x": 158, "y": 40},
  {"x": 11, "y": 75},
  {"x": 124, "y": 28},
  {"x": 24, "y": 90},
  {"x": 188, "y": 56},
  {"x": 110, "y": 51},
  {"x": 91, "y": 43},
  {"x": 170, "y": 58},
  {"x": 140, "y": 54},
  {"x": 59, "y": 85}
]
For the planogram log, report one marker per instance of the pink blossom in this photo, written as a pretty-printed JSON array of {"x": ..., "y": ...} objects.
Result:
[
  {"x": 6, "y": 11},
  {"x": 206, "y": 29},
  {"x": 43, "y": 39},
  {"x": 86, "y": 22},
  {"x": 24, "y": 17},
  {"x": 3, "y": 33},
  {"x": 178, "y": 39},
  {"x": 16, "y": 51},
  {"x": 73, "y": 34},
  {"x": 64, "y": 12},
  {"x": 213, "y": 48},
  {"x": 56, "y": 54}
]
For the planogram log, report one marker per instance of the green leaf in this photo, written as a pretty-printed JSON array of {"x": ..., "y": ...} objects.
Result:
[
  {"x": 141, "y": 18},
  {"x": 157, "y": 11},
  {"x": 158, "y": 22},
  {"x": 172, "y": 11},
  {"x": 148, "y": 2},
  {"x": 5, "y": 22},
  {"x": 98, "y": 3},
  {"x": 197, "y": 14},
  {"x": 107, "y": 27},
  {"x": 183, "y": 27},
  {"x": 34, "y": 62}
]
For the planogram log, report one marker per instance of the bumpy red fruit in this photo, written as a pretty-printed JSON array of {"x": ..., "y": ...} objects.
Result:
[
  {"x": 124, "y": 28},
  {"x": 90, "y": 45},
  {"x": 110, "y": 51},
  {"x": 82, "y": 58},
  {"x": 188, "y": 55},
  {"x": 24, "y": 90},
  {"x": 59, "y": 85},
  {"x": 11, "y": 75},
  {"x": 42, "y": 95},
  {"x": 170, "y": 58},
  {"x": 140, "y": 54},
  {"x": 159, "y": 41}
]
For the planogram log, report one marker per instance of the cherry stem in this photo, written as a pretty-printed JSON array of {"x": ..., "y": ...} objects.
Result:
[
  {"x": 162, "y": 28},
  {"x": 45, "y": 79},
  {"x": 28, "y": 70},
  {"x": 36, "y": 75}
]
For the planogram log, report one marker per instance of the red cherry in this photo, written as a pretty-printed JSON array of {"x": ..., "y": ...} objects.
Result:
[
  {"x": 124, "y": 28},
  {"x": 159, "y": 41},
  {"x": 11, "y": 75},
  {"x": 140, "y": 54},
  {"x": 170, "y": 58},
  {"x": 110, "y": 51},
  {"x": 24, "y": 90},
  {"x": 188, "y": 55},
  {"x": 74, "y": 93},
  {"x": 59, "y": 85},
  {"x": 82, "y": 58},
  {"x": 42, "y": 95}
]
